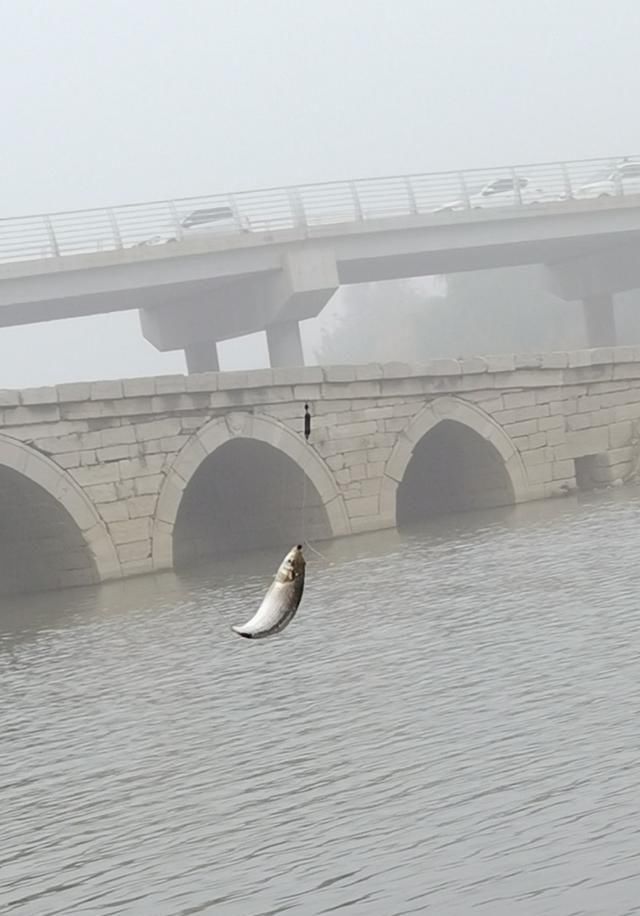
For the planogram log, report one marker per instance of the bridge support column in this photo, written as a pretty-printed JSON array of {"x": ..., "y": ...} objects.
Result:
[
  {"x": 600, "y": 320},
  {"x": 284, "y": 344},
  {"x": 202, "y": 357}
]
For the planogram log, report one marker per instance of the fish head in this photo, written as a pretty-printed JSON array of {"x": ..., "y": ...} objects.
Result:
[{"x": 293, "y": 565}]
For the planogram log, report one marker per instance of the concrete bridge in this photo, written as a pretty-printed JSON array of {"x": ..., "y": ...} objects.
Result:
[
  {"x": 282, "y": 253},
  {"x": 118, "y": 478}
]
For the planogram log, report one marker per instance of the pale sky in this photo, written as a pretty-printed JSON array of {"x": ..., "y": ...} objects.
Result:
[{"x": 114, "y": 101}]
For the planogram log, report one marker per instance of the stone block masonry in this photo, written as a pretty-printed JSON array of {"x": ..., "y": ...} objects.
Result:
[{"x": 121, "y": 454}]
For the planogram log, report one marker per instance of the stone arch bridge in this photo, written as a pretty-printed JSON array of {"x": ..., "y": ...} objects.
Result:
[{"x": 111, "y": 479}]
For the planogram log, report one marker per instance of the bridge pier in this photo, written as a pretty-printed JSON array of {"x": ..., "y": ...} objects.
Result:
[
  {"x": 284, "y": 344},
  {"x": 600, "y": 320},
  {"x": 202, "y": 357}
]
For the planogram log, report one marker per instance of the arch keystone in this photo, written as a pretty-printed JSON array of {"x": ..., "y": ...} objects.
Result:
[{"x": 239, "y": 424}]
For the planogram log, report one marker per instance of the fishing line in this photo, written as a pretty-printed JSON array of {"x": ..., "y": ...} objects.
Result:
[{"x": 307, "y": 433}]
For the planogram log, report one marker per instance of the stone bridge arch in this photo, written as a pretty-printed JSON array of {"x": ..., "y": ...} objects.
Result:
[
  {"x": 465, "y": 414},
  {"x": 33, "y": 478},
  {"x": 220, "y": 432}
]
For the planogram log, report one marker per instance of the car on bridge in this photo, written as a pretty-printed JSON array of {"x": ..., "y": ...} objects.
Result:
[
  {"x": 511, "y": 191},
  {"x": 623, "y": 179},
  {"x": 205, "y": 221}
]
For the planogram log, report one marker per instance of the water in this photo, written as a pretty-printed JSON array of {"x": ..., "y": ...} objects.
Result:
[{"x": 449, "y": 726}]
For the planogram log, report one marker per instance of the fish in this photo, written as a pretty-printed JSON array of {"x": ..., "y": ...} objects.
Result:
[{"x": 282, "y": 600}]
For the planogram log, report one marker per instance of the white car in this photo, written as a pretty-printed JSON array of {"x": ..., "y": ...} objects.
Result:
[
  {"x": 207, "y": 221},
  {"x": 502, "y": 192},
  {"x": 623, "y": 179}
]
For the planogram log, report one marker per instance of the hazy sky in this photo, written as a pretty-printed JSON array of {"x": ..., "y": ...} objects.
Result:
[{"x": 112, "y": 101}]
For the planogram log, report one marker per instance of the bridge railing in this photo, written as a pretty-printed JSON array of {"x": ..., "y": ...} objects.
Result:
[{"x": 314, "y": 205}]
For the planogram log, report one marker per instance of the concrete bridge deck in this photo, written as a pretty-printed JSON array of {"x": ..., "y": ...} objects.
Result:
[
  {"x": 111, "y": 479},
  {"x": 305, "y": 242}
]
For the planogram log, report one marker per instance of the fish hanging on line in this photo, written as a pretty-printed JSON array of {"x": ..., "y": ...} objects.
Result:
[{"x": 282, "y": 600}]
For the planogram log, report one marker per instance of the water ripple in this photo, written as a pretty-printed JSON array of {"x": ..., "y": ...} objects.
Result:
[{"x": 447, "y": 726}]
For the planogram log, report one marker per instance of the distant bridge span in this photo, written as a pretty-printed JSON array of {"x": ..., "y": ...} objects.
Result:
[{"x": 208, "y": 269}]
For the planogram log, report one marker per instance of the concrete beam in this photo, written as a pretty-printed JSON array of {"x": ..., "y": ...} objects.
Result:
[
  {"x": 601, "y": 273},
  {"x": 300, "y": 289},
  {"x": 306, "y": 282},
  {"x": 285, "y": 344},
  {"x": 217, "y": 313}
]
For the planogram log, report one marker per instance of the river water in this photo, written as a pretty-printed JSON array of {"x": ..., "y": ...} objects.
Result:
[{"x": 449, "y": 726}]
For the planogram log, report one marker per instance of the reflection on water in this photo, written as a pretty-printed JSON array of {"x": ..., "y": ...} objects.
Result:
[{"x": 448, "y": 725}]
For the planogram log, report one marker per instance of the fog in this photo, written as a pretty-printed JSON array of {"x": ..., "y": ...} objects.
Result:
[{"x": 114, "y": 102}]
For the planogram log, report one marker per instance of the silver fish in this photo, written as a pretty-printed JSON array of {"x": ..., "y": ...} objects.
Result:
[{"x": 281, "y": 602}]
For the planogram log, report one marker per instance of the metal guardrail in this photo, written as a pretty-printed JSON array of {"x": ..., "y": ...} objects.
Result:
[{"x": 305, "y": 206}]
